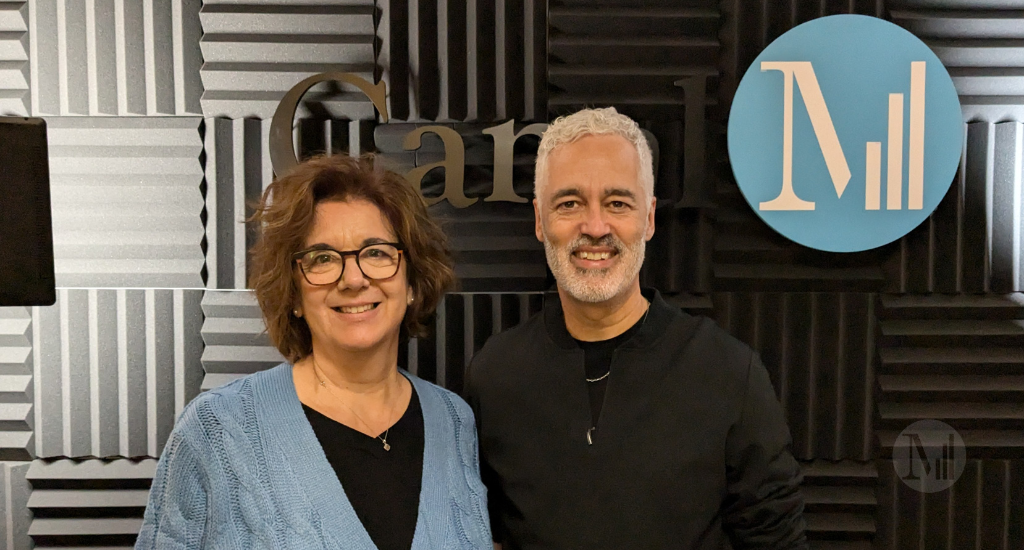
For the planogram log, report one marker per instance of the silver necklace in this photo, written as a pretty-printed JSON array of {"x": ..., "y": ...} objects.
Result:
[
  {"x": 605, "y": 375},
  {"x": 384, "y": 440}
]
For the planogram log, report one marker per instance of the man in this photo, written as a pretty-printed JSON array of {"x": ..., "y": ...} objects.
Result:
[{"x": 612, "y": 419}]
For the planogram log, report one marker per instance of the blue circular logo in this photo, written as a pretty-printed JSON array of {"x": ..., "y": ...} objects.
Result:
[{"x": 845, "y": 133}]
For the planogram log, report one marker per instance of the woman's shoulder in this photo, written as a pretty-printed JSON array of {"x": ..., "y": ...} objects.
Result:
[{"x": 230, "y": 405}]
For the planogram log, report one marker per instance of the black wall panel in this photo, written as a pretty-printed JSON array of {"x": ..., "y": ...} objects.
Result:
[
  {"x": 972, "y": 242},
  {"x": 462, "y": 325},
  {"x": 979, "y": 43},
  {"x": 819, "y": 351},
  {"x": 464, "y": 60},
  {"x": 841, "y": 504},
  {"x": 982, "y": 511},
  {"x": 958, "y": 360}
]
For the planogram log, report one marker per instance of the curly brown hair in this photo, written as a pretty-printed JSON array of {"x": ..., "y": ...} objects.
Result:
[{"x": 285, "y": 215}]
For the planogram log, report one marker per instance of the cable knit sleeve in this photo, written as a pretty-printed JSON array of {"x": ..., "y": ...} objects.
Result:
[
  {"x": 177, "y": 511},
  {"x": 469, "y": 453}
]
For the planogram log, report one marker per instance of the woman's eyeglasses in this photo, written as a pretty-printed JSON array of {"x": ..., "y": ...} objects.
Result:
[{"x": 323, "y": 265}]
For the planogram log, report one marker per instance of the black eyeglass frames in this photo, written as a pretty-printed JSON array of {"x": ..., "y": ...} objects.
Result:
[{"x": 323, "y": 265}]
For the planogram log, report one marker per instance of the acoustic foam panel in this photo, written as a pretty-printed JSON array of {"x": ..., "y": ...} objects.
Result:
[
  {"x": 840, "y": 504},
  {"x": 15, "y": 516},
  {"x": 14, "y": 72},
  {"x": 981, "y": 511},
  {"x": 16, "y": 387},
  {"x": 127, "y": 201},
  {"x": 88, "y": 503},
  {"x": 464, "y": 60},
  {"x": 972, "y": 243},
  {"x": 819, "y": 349},
  {"x": 980, "y": 43},
  {"x": 113, "y": 369},
  {"x": 235, "y": 340},
  {"x": 238, "y": 170},
  {"x": 255, "y": 52},
  {"x": 114, "y": 57},
  {"x": 956, "y": 359}
]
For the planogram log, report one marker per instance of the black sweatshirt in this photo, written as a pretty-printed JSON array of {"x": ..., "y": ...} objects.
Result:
[{"x": 693, "y": 447}]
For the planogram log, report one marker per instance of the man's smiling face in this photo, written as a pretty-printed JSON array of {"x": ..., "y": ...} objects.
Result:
[{"x": 593, "y": 217}]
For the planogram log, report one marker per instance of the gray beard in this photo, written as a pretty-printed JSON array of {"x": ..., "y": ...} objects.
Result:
[{"x": 595, "y": 285}]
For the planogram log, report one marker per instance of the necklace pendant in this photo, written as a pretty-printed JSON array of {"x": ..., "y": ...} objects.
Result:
[{"x": 387, "y": 446}]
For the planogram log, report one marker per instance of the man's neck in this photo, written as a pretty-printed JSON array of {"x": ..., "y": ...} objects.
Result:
[{"x": 594, "y": 322}]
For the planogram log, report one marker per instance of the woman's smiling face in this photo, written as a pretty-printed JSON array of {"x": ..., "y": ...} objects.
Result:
[{"x": 356, "y": 313}]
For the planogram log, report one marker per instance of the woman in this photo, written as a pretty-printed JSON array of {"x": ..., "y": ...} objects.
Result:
[{"x": 337, "y": 448}]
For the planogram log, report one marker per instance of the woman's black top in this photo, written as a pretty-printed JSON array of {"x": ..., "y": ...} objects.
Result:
[{"x": 383, "y": 486}]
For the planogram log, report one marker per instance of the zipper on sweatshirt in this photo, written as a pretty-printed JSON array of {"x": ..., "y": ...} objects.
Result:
[{"x": 592, "y": 431}]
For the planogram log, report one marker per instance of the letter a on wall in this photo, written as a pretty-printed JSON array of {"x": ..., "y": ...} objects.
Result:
[{"x": 454, "y": 164}]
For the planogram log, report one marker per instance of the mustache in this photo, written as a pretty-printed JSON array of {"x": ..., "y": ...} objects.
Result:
[{"x": 610, "y": 241}]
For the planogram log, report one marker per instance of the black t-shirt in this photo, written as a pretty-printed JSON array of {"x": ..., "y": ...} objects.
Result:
[
  {"x": 597, "y": 361},
  {"x": 383, "y": 486}
]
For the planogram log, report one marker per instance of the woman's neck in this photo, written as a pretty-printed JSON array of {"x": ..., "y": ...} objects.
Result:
[
  {"x": 363, "y": 390},
  {"x": 359, "y": 371}
]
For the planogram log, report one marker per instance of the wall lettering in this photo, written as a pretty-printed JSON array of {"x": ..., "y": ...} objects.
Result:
[
  {"x": 283, "y": 156},
  {"x": 282, "y": 150},
  {"x": 454, "y": 164},
  {"x": 505, "y": 138}
]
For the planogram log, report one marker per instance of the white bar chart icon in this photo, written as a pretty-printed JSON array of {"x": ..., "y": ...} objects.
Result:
[{"x": 894, "y": 156}]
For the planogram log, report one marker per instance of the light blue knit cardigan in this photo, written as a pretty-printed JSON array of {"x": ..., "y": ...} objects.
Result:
[{"x": 243, "y": 469}]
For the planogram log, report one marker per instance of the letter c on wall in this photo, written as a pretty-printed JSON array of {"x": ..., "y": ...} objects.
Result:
[{"x": 282, "y": 150}]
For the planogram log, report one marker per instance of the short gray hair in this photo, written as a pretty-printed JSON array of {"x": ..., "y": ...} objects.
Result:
[{"x": 570, "y": 128}]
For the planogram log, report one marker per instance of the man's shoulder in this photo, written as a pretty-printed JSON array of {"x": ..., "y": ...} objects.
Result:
[
  {"x": 516, "y": 342},
  {"x": 708, "y": 335},
  {"x": 510, "y": 352},
  {"x": 705, "y": 344}
]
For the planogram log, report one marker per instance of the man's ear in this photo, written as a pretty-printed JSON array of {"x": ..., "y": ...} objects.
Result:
[
  {"x": 650, "y": 218},
  {"x": 538, "y": 229}
]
